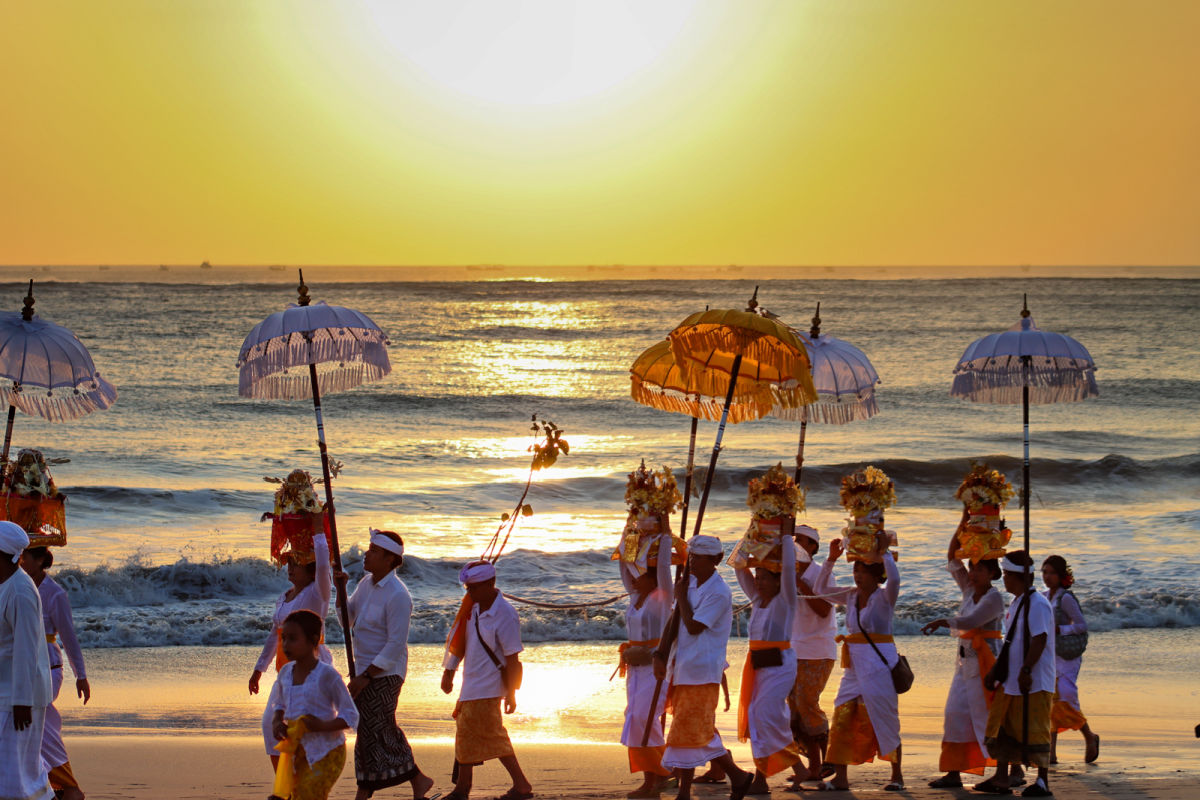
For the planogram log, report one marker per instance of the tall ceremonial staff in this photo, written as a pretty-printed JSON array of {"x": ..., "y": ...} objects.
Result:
[
  {"x": 341, "y": 348},
  {"x": 725, "y": 345},
  {"x": 1025, "y": 365}
]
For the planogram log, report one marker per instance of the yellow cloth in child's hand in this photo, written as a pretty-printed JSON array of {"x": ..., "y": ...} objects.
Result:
[{"x": 285, "y": 774}]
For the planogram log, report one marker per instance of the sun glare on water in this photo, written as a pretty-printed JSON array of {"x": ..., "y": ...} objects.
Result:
[{"x": 534, "y": 52}]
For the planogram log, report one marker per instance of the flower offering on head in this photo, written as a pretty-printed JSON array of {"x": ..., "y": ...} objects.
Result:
[
  {"x": 33, "y": 501},
  {"x": 774, "y": 494},
  {"x": 651, "y": 497},
  {"x": 649, "y": 493},
  {"x": 866, "y": 494},
  {"x": 298, "y": 516},
  {"x": 30, "y": 475},
  {"x": 982, "y": 533},
  {"x": 296, "y": 494}
]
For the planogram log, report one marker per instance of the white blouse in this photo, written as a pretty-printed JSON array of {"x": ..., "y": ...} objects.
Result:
[
  {"x": 323, "y": 695},
  {"x": 56, "y": 616},
  {"x": 773, "y": 622},
  {"x": 647, "y": 623},
  {"x": 314, "y": 598},
  {"x": 876, "y": 616},
  {"x": 985, "y": 614}
]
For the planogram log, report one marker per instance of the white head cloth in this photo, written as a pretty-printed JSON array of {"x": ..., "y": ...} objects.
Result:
[
  {"x": 1012, "y": 566},
  {"x": 13, "y": 539},
  {"x": 810, "y": 532},
  {"x": 386, "y": 542},
  {"x": 705, "y": 545},
  {"x": 476, "y": 572}
]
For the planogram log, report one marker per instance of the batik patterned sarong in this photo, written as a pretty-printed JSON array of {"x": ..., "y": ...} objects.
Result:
[
  {"x": 479, "y": 733},
  {"x": 382, "y": 757}
]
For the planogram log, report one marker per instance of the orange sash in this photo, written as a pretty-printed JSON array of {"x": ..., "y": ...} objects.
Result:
[
  {"x": 858, "y": 638},
  {"x": 747, "y": 690},
  {"x": 456, "y": 640},
  {"x": 978, "y": 638},
  {"x": 280, "y": 658},
  {"x": 622, "y": 667}
]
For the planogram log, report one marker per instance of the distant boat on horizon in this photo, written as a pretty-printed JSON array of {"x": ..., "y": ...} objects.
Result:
[
  {"x": 105, "y": 267},
  {"x": 277, "y": 268},
  {"x": 205, "y": 265},
  {"x": 484, "y": 268},
  {"x": 163, "y": 268}
]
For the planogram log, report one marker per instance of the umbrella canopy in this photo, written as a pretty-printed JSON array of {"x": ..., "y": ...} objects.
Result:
[
  {"x": 347, "y": 347},
  {"x": 843, "y": 379},
  {"x": 999, "y": 367},
  {"x": 656, "y": 380}
]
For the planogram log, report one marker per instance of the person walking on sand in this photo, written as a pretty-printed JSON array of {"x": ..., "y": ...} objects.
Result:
[
  {"x": 977, "y": 635},
  {"x": 770, "y": 670},
  {"x": 380, "y": 616},
  {"x": 56, "y": 617},
  {"x": 312, "y": 711},
  {"x": 705, "y": 606},
  {"x": 1070, "y": 638},
  {"x": 310, "y": 591},
  {"x": 866, "y": 716},
  {"x": 24, "y": 675},
  {"x": 813, "y": 632},
  {"x": 1025, "y": 667},
  {"x": 491, "y": 676},
  {"x": 649, "y": 608}
]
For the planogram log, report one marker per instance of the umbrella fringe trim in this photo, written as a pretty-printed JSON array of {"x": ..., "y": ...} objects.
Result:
[
  {"x": 298, "y": 386},
  {"x": 1045, "y": 386},
  {"x": 831, "y": 412},
  {"x": 62, "y": 406},
  {"x": 261, "y": 374},
  {"x": 740, "y": 411}
]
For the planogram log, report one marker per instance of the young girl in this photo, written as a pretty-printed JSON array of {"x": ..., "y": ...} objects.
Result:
[
  {"x": 866, "y": 717},
  {"x": 56, "y": 615},
  {"x": 1066, "y": 714},
  {"x": 312, "y": 690},
  {"x": 310, "y": 591}
]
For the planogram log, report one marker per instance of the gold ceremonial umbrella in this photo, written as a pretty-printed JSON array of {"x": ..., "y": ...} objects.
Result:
[{"x": 657, "y": 380}]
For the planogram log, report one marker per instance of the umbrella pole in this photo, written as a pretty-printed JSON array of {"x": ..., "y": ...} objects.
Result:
[
  {"x": 1025, "y": 360},
  {"x": 12, "y": 415},
  {"x": 687, "y": 481},
  {"x": 667, "y": 642},
  {"x": 339, "y": 585},
  {"x": 800, "y": 450}
]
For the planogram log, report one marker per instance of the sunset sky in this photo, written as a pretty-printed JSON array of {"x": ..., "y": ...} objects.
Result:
[{"x": 645, "y": 132}]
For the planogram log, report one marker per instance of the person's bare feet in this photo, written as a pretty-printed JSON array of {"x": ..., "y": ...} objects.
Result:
[
  {"x": 421, "y": 786},
  {"x": 759, "y": 785},
  {"x": 1093, "y": 749}
]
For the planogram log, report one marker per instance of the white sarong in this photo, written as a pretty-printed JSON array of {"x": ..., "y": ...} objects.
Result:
[
  {"x": 639, "y": 689},
  {"x": 870, "y": 679},
  {"x": 22, "y": 770}
]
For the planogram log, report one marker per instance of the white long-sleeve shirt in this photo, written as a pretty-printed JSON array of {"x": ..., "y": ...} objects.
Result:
[
  {"x": 56, "y": 616},
  {"x": 773, "y": 622},
  {"x": 1066, "y": 602},
  {"x": 314, "y": 597},
  {"x": 647, "y": 623},
  {"x": 322, "y": 694},
  {"x": 876, "y": 616},
  {"x": 24, "y": 661},
  {"x": 380, "y": 615},
  {"x": 985, "y": 614}
]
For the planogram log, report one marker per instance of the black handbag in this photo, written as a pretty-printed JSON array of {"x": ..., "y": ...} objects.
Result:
[
  {"x": 902, "y": 674},
  {"x": 771, "y": 657}
]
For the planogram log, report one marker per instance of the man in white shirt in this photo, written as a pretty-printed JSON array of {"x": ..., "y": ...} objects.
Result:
[
  {"x": 24, "y": 675},
  {"x": 488, "y": 647},
  {"x": 814, "y": 630},
  {"x": 380, "y": 614},
  {"x": 1028, "y": 684},
  {"x": 705, "y": 606}
]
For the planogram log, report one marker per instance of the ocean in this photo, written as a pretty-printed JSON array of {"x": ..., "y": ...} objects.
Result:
[{"x": 166, "y": 488}]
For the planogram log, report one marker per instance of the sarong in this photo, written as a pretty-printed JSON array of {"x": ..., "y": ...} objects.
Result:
[
  {"x": 479, "y": 732},
  {"x": 808, "y": 720},
  {"x": 1004, "y": 728},
  {"x": 763, "y": 700},
  {"x": 315, "y": 782},
  {"x": 693, "y": 740},
  {"x": 1066, "y": 715},
  {"x": 382, "y": 757},
  {"x": 866, "y": 718},
  {"x": 22, "y": 771},
  {"x": 639, "y": 690},
  {"x": 964, "y": 726},
  {"x": 53, "y": 750}
]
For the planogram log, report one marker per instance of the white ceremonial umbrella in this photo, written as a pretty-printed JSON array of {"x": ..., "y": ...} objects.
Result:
[
  {"x": 335, "y": 348},
  {"x": 845, "y": 382},
  {"x": 37, "y": 354},
  {"x": 1025, "y": 365}
]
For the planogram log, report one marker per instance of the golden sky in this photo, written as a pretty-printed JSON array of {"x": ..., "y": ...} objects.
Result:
[{"x": 645, "y": 132}]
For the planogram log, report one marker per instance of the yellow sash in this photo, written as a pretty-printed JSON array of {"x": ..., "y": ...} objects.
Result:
[
  {"x": 285, "y": 773},
  {"x": 747, "y": 690},
  {"x": 622, "y": 667},
  {"x": 978, "y": 638},
  {"x": 858, "y": 638}
]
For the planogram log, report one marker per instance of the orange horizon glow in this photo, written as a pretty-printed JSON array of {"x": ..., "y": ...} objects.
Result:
[{"x": 552, "y": 133}]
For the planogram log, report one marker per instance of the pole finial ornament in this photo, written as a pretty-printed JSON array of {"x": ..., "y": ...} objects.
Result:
[
  {"x": 1025, "y": 305},
  {"x": 303, "y": 291},
  {"x": 753, "y": 304},
  {"x": 27, "y": 311},
  {"x": 815, "y": 330}
]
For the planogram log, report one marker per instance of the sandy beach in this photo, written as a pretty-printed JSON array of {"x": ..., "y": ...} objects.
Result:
[{"x": 178, "y": 722}]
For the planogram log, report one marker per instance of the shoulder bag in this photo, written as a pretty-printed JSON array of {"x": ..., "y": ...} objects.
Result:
[
  {"x": 1000, "y": 669},
  {"x": 1067, "y": 646},
  {"x": 902, "y": 674}
]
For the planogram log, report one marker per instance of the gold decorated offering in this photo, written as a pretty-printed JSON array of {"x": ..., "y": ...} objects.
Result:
[
  {"x": 773, "y": 498},
  {"x": 298, "y": 516},
  {"x": 982, "y": 534},
  {"x": 651, "y": 498},
  {"x": 866, "y": 494},
  {"x": 31, "y": 500}
]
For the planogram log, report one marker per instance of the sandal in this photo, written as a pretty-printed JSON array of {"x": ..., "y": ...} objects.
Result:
[
  {"x": 739, "y": 790},
  {"x": 1093, "y": 750},
  {"x": 708, "y": 777},
  {"x": 991, "y": 787},
  {"x": 945, "y": 783},
  {"x": 1037, "y": 789},
  {"x": 894, "y": 786},
  {"x": 827, "y": 786}
]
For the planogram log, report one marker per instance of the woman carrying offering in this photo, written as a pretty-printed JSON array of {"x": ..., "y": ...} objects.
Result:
[
  {"x": 645, "y": 619},
  {"x": 1068, "y": 658},
  {"x": 770, "y": 670},
  {"x": 866, "y": 717},
  {"x": 977, "y": 633},
  {"x": 311, "y": 710},
  {"x": 56, "y": 616},
  {"x": 310, "y": 591}
]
